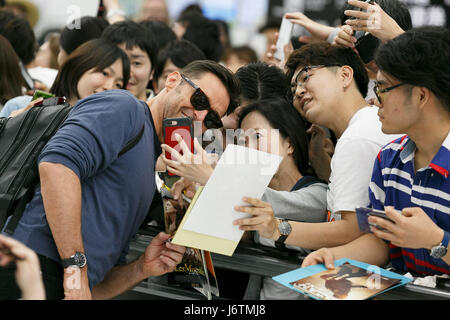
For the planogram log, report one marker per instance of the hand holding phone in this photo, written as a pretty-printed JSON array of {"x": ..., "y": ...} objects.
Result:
[
  {"x": 284, "y": 38},
  {"x": 363, "y": 215},
  {"x": 178, "y": 126}
]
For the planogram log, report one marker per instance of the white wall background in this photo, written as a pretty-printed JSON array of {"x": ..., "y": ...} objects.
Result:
[
  {"x": 57, "y": 13},
  {"x": 249, "y": 15}
]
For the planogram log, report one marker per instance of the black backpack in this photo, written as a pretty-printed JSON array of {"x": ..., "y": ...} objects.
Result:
[{"x": 22, "y": 139}]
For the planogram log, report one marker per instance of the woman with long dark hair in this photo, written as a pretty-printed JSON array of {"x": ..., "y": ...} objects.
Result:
[
  {"x": 11, "y": 80},
  {"x": 95, "y": 66}
]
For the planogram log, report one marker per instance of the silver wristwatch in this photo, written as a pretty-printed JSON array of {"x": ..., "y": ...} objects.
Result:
[
  {"x": 78, "y": 260},
  {"x": 285, "y": 228},
  {"x": 441, "y": 249}
]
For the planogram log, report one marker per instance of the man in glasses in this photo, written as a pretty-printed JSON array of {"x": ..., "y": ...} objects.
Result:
[
  {"x": 364, "y": 26},
  {"x": 97, "y": 177},
  {"x": 410, "y": 179},
  {"x": 328, "y": 85}
]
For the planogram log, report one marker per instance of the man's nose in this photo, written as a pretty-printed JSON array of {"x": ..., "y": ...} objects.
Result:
[
  {"x": 300, "y": 90},
  {"x": 200, "y": 115}
]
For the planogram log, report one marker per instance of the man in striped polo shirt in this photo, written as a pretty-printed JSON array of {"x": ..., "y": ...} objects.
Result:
[{"x": 410, "y": 180}]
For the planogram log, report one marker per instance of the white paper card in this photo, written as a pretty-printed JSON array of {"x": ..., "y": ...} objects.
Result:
[
  {"x": 284, "y": 37},
  {"x": 241, "y": 172}
]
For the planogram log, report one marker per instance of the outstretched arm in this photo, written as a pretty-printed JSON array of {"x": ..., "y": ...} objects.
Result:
[
  {"x": 113, "y": 11},
  {"x": 159, "y": 258}
]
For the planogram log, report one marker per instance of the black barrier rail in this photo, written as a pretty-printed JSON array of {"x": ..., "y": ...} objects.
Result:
[{"x": 260, "y": 261}]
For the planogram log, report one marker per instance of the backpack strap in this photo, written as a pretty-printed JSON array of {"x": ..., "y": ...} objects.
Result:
[
  {"x": 306, "y": 181},
  {"x": 130, "y": 145},
  {"x": 18, "y": 211},
  {"x": 28, "y": 196}
]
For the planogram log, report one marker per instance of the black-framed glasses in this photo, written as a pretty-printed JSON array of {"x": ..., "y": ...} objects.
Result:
[
  {"x": 379, "y": 91},
  {"x": 200, "y": 102},
  {"x": 306, "y": 69}
]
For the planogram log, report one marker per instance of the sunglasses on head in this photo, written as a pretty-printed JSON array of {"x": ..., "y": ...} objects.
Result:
[{"x": 200, "y": 102}]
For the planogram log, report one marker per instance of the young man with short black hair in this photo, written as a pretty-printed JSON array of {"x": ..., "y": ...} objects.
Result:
[
  {"x": 329, "y": 86},
  {"x": 139, "y": 44},
  {"x": 410, "y": 180},
  {"x": 174, "y": 57}
]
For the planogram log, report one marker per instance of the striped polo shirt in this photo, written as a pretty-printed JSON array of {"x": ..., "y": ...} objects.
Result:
[{"x": 394, "y": 183}]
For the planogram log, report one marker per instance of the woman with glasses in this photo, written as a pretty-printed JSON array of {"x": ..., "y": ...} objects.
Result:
[{"x": 11, "y": 80}]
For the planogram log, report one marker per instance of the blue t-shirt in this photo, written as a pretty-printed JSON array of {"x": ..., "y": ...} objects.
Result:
[{"x": 116, "y": 191}]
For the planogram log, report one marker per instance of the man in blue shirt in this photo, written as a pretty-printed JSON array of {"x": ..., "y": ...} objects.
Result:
[
  {"x": 411, "y": 175},
  {"x": 91, "y": 201}
]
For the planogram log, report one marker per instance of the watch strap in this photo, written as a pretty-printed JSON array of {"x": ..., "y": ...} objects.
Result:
[
  {"x": 68, "y": 262},
  {"x": 280, "y": 241},
  {"x": 446, "y": 239}
]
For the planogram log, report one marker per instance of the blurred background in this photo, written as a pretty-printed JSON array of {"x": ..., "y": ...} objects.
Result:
[{"x": 247, "y": 19}]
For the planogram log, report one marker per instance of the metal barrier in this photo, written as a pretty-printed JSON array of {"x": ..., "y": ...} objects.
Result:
[{"x": 260, "y": 261}]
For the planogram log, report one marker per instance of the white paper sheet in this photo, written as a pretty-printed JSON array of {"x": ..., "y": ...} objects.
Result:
[{"x": 241, "y": 172}]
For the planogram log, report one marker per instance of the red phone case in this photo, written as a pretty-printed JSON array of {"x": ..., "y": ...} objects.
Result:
[{"x": 182, "y": 127}]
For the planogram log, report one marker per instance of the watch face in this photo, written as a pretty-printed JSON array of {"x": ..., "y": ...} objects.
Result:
[
  {"x": 285, "y": 228},
  {"x": 438, "y": 252},
  {"x": 80, "y": 259}
]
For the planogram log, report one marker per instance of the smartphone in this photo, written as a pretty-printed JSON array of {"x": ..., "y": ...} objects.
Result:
[
  {"x": 101, "y": 12},
  {"x": 26, "y": 77},
  {"x": 182, "y": 127},
  {"x": 363, "y": 215},
  {"x": 284, "y": 38},
  {"x": 366, "y": 44},
  {"x": 41, "y": 94},
  {"x": 359, "y": 35}
]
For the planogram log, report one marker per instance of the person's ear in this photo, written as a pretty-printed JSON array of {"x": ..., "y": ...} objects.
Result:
[
  {"x": 155, "y": 86},
  {"x": 290, "y": 149},
  {"x": 346, "y": 74},
  {"x": 172, "y": 80},
  {"x": 152, "y": 74},
  {"x": 421, "y": 96}
]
